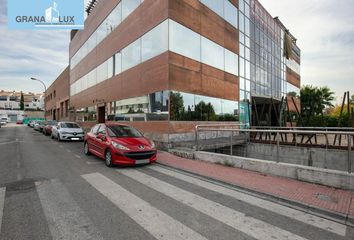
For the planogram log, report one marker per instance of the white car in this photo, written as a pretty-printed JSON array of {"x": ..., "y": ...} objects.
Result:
[
  {"x": 3, "y": 121},
  {"x": 68, "y": 131}
]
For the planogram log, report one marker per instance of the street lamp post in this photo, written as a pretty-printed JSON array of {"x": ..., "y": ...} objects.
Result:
[{"x": 45, "y": 95}]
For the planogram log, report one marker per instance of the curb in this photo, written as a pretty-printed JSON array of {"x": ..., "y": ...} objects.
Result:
[{"x": 342, "y": 218}]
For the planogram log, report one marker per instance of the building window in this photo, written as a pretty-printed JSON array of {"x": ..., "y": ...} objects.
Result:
[
  {"x": 131, "y": 55},
  {"x": 155, "y": 42},
  {"x": 129, "y": 6},
  {"x": 231, "y": 62},
  {"x": 191, "y": 107},
  {"x": 212, "y": 54},
  {"x": 184, "y": 41}
]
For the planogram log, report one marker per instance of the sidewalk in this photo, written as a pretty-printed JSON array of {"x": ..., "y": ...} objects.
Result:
[{"x": 330, "y": 200}]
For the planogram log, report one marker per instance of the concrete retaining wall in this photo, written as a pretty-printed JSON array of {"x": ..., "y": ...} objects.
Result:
[
  {"x": 313, "y": 157},
  {"x": 332, "y": 178}
]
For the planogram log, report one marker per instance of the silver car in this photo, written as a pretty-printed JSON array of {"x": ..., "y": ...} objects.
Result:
[
  {"x": 67, "y": 131},
  {"x": 3, "y": 121}
]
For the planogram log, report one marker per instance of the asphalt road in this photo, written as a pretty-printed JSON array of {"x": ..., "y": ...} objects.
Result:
[{"x": 51, "y": 190}]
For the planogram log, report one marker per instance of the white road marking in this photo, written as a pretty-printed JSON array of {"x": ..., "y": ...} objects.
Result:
[
  {"x": 156, "y": 222},
  {"x": 65, "y": 218},
  {"x": 93, "y": 163},
  {"x": 251, "y": 226},
  {"x": 6, "y": 143},
  {"x": 61, "y": 146},
  {"x": 306, "y": 218},
  {"x": 69, "y": 151},
  {"x": 2, "y": 201},
  {"x": 77, "y": 156}
]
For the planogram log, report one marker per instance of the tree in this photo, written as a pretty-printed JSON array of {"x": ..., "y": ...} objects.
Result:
[
  {"x": 352, "y": 99},
  {"x": 325, "y": 99},
  {"x": 176, "y": 106},
  {"x": 22, "y": 102},
  {"x": 314, "y": 102},
  {"x": 204, "y": 112}
]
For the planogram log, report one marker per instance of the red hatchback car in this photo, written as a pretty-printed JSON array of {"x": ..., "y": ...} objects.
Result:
[{"x": 119, "y": 144}]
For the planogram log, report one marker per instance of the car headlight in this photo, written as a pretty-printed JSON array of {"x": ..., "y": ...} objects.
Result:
[
  {"x": 152, "y": 144},
  {"x": 119, "y": 146}
]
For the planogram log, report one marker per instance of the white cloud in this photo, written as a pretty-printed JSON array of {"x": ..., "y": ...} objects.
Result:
[
  {"x": 325, "y": 33},
  {"x": 30, "y": 53}
]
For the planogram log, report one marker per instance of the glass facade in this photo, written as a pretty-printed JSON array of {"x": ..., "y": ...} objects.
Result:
[
  {"x": 117, "y": 15},
  {"x": 192, "y": 107},
  {"x": 174, "y": 106},
  {"x": 168, "y": 35},
  {"x": 151, "y": 107},
  {"x": 224, "y": 8},
  {"x": 260, "y": 65}
]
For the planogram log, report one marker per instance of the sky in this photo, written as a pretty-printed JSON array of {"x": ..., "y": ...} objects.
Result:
[{"x": 324, "y": 29}]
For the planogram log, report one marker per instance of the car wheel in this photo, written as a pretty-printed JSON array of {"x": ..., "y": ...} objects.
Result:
[
  {"x": 52, "y": 137},
  {"x": 108, "y": 158},
  {"x": 86, "y": 149},
  {"x": 58, "y": 137}
]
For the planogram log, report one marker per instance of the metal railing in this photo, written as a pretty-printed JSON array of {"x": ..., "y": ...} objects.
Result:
[
  {"x": 200, "y": 127},
  {"x": 337, "y": 140},
  {"x": 280, "y": 136}
]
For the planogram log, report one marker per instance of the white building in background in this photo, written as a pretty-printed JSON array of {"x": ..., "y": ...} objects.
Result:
[{"x": 11, "y": 101}]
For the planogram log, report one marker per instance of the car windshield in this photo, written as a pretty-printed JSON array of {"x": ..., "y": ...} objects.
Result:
[
  {"x": 51, "y": 123},
  {"x": 69, "y": 125},
  {"x": 123, "y": 131}
]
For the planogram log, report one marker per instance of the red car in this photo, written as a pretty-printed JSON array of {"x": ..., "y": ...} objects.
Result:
[
  {"x": 19, "y": 122},
  {"x": 119, "y": 144},
  {"x": 47, "y": 129}
]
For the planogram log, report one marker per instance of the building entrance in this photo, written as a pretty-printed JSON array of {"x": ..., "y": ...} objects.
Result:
[{"x": 101, "y": 114}]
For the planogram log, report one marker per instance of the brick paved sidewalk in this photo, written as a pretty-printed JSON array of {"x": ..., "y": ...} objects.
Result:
[{"x": 333, "y": 200}]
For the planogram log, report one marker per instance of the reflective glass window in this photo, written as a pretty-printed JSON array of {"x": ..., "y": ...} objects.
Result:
[
  {"x": 155, "y": 42},
  {"x": 215, "y": 5},
  {"x": 184, "y": 41},
  {"x": 212, "y": 54},
  {"x": 110, "y": 67},
  {"x": 117, "y": 63},
  {"x": 230, "y": 12},
  {"x": 131, "y": 55},
  {"x": 92, "y": 78},
  {"x": 101, "y": 72},
  {"x": 242, "y": 67},
  {"x": 128, "y": 6},
  {"x": 190, "y": 107},
  {"x": 231, "y": 62},
  {"x": 115, "y": 17}
]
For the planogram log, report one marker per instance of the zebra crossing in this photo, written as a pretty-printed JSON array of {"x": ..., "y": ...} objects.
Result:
[{"x": 67, "y": 220}]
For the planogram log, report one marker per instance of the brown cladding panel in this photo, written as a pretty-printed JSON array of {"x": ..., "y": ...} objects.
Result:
[
  {"x": 293, "y": 77},
  {"x": 61, "y": 88},
  {"x": 199, "y": 18},
  {"x": 148, "y": 15},
  {"x": 148, "y": 77},
  {"x": 99, "y": 13},
  {"x": 203, "y": 80}
]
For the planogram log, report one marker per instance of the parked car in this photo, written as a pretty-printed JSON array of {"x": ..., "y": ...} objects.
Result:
[
  {"x": 19, "y": 122},
  {"x": 32, "y": 123},
  {"x": 39, "y": 125},
  {"x": 3, "y": 121},
  {"x": 68, "y": 131},
  {"x": 47, "y": 130},
  {"x": 119, "y": 144}
]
